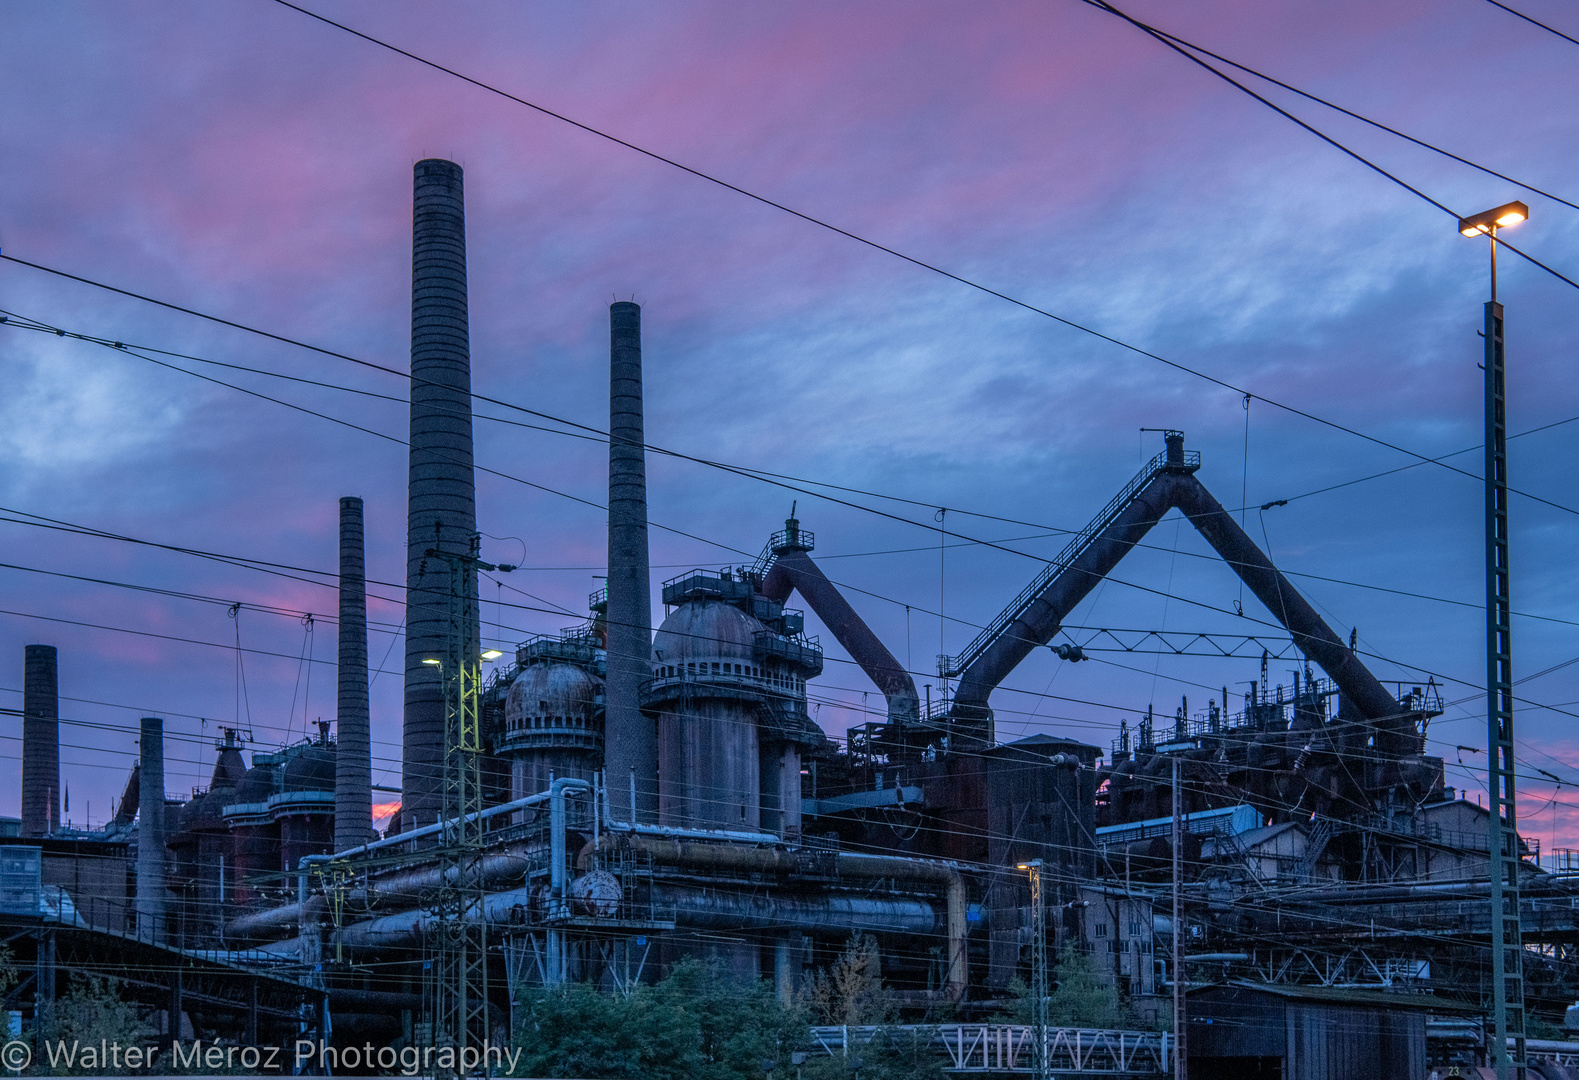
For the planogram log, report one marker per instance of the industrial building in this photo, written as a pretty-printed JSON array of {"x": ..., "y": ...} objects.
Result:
[{"x": 624, "y": 794}]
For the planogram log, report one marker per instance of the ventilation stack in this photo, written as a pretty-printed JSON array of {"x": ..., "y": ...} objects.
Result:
[
  {"x": 630, "y": 739},
  {"x": 40, "y": 742},
  {"x": 353, "y": 763},
  {"x": 442, "y": 509},
  {"x": 151, "y": 831}
]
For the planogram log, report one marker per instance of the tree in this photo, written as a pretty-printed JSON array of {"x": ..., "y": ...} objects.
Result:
[
  {"x": 93, "y": 1012},
  {"x": 695, "y": 1024},
  {"x": 850, "y": 990},
  {"x": 1084, "y": 998}
]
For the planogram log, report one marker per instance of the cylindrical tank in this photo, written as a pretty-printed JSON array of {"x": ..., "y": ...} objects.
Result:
[
  {"x": 551, "y": 726},
  {"x": 708, "y": 759},
  {"x": 256, "y": 835},
  {"x": 304, "y": 806}
]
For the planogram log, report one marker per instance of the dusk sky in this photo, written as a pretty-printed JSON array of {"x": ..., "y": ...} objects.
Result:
[{"x": 250, "y": 162}]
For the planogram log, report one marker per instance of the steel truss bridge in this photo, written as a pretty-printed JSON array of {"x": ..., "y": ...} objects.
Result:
[{"x": 972, "y": 1049}]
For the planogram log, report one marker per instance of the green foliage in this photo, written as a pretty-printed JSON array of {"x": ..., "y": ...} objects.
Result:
[
  {"x": 9, "y": 974},
  {"x": 850, "y": 990},
  {"x": 693, "y": 1025},
  {"x": 91, "y": 1012},
  {"x": 1084, "y": 998}
]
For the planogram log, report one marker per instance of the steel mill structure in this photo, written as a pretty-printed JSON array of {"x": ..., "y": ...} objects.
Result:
[{"x": 642, "y": 794}]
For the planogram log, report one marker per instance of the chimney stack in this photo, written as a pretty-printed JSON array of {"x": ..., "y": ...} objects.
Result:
[
  {"x": 353, "y": 759},
  {"x": 40, "y": 742},
  {"x": 630, "y": 739},
  {"x": 151, "y": 830},
  {"x": 442, "y": 508}
]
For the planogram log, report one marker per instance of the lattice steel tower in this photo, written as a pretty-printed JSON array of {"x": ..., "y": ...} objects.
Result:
[{"x": 457, "y": 979}]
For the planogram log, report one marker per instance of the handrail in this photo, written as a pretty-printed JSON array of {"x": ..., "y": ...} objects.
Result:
[{"x": 959, "y": 663}]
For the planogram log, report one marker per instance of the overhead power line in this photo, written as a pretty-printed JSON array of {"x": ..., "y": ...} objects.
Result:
[
  {"x": 1155, "y": 31},
  {"x": 1533, "y": 21},
  {"x": 914, "y": 261},
  {"x": 1173, "y": 44}
]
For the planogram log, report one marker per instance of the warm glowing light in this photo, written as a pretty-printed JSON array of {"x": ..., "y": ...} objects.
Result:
[
  {"x": 1496, "y": 218},
  {"x": 384, "y": 811},
  {"x": 491, "y": 654},
  {"x": 433, "y": 661}
]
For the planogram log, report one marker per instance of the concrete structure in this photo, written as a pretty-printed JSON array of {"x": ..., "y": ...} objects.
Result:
[
  {"x": 441, "y": 509},
  {"x": 40, "y": 742},
  {"x": 152, "y": 896},
  {"x": 353, "y": 778},
  {"x": 632, "y": 747}
]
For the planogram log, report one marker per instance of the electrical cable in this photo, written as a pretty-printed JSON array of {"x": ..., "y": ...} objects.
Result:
[{"x": 1171, "y": 44}]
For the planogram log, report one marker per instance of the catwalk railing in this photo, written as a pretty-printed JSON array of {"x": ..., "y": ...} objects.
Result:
[{"x": 1008, "y": 1048}]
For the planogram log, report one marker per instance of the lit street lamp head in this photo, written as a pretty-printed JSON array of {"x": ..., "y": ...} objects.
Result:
[{"x": 1489, "y": 222}]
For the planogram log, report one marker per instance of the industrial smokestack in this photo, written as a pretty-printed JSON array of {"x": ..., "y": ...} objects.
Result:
[
  {"x": 40, "y": 742},
  {"x": 150, "y": 830},
  {"x": 442, "y": 509},
  {"x": 630, "y": 739},
  {"x": 353, "y": 759}
]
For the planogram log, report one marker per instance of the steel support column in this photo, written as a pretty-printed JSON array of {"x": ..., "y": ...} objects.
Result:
[{"x": 1507, "y": 946}]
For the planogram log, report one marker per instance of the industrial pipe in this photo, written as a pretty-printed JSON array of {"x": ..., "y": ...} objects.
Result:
[
  {"x": 794, "y": 569},
  {"x": 1310, "y": 632},
  {"x": 558, "y": 852},
  {"x": 831, "y": 914},
  {"x": 1172, "y": 485},
  {"x": 263, "y": 923},
  {"x": 707, "y": 854}
]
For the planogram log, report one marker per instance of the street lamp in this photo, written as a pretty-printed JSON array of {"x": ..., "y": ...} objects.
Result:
[
  {"x": 1507, "y": 946},
  {"x": 1039, "y": 1060}
]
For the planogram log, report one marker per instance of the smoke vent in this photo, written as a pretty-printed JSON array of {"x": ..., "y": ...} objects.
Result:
[
  {"x": 40, "y": 742},
  {"x": 631, "y": 743},
  {"x": 442, "y": 508},
  {"x": 353, "y": 768},
  {"x": 151, "y": 829}
]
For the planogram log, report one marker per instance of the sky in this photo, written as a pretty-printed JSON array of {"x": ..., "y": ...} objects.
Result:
[{"x": 247, "y": 161}]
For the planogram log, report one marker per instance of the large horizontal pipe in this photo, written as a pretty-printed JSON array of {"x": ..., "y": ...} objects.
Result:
[
  {"x": 709, "y": 909},
  {"x": 719, "y": 909},
  {"x": 738, "y": 858}
]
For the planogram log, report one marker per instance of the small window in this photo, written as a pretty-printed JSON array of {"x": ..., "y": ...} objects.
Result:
[{"x": 1101, "y": 929}]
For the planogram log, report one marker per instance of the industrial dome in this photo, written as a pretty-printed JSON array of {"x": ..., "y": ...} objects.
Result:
[
  {"x": 549, "y": 690},
  {"x": 706, "y": 631},
  {"x": 256, "y": 786},
  {"x": 311, "y": 770}
]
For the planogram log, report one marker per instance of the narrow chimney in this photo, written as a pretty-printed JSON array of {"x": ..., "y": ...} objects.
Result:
[
  {"x": 40, "y": 742},
  {"x": 630, "y": 739},
  {"x": 150, "y": 830},
  {"x": 353, "y": 759},
  {"x": 442, "y": 508}
]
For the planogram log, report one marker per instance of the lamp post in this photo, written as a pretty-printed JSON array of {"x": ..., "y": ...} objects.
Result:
[
  {"x": 1038, "y": 968},
  {"x": 1507, "y": 946},
  {"x": 1175, "y": 750}
]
